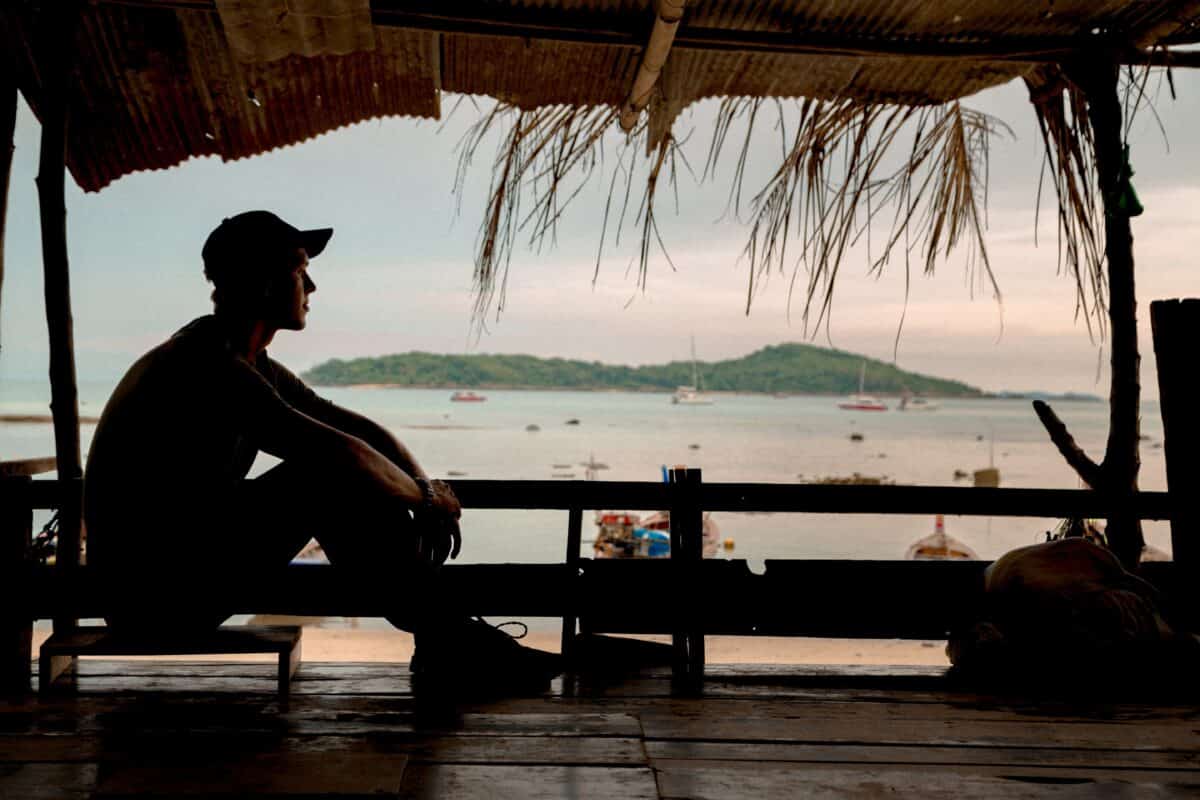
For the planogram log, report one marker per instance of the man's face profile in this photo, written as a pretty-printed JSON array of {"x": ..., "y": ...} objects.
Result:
[{"x": 287, "y": 298}]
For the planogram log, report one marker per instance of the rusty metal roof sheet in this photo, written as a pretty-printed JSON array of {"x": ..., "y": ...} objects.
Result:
[{"x": 159, "y": 82}]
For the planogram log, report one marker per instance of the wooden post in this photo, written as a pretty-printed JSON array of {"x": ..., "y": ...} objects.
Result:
[
  {"x": 1099, "y": 80},
  {"x": 56, "y": 52},
  {"x": 1176, "y": 324},
  {"x": 16, "y": 628},
  {"x": 687, "y": 549},
  {"x": 574, "y": 542},
  {"x": 8, "y": 126}
]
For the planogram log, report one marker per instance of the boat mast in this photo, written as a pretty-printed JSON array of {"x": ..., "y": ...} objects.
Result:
[{"x": 695, "y": 372}]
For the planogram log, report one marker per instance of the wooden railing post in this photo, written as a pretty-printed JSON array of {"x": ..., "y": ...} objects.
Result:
[
  {"x": 571, "y": 614},
  {"x": 1175, "y": 325},
  {"x": 16, "y": 626},
  {"x": 687, "y": 549}
]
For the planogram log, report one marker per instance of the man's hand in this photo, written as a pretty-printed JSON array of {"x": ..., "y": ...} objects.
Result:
[
  {"x": 444, "y": 499},
  {"x": 438, "y": 531}
]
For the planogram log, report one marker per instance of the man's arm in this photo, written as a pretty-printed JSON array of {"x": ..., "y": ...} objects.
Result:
[{"x": 295, "y": 392}]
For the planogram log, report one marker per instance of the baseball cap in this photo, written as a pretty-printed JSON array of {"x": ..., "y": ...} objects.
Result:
[{"x": 246, "y": 238}]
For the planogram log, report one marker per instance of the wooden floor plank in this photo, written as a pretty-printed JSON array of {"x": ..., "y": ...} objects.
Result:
[
  {"x": 476, "y": 782},
  {"x": 147, "y": 729},
  {"x": 307, "y": 774},
  {"x": 47, "y": 781},
  {"x": 759, "y": 752},
  {"x": 716, "y": 780}
]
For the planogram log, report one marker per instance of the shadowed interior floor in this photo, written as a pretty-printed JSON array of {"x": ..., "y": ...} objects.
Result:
[{"x": 170, "y": 729}]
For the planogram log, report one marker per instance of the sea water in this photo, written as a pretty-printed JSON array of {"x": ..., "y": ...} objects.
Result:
[{"x": 740, "y": 438}]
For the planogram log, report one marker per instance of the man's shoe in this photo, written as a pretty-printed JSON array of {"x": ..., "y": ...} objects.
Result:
[{"x": 474, "y": 658}]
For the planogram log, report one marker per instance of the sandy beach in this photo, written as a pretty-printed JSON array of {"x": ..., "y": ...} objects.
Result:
[{"x": 378, "y": 645}]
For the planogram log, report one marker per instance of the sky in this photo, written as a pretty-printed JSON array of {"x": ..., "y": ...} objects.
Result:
[{"x": 397, "y": 275}]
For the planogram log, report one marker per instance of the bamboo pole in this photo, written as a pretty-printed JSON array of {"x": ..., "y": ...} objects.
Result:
[
  {"x": 56, "y": 54},
  {"x": 8, "y": 126},
  {"x": 654, "y": 58}
]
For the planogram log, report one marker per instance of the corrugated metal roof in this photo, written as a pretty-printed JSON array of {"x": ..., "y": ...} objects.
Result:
[{"x": 158, "y": 84}]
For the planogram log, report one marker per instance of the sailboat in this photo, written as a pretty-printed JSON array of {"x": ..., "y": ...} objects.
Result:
[
  {"x": 861, "y": 401},
  {"x": 691, "y": 395}
]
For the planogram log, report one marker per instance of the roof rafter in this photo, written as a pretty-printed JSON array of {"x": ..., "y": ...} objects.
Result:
[{"x": 666, "y": 24}]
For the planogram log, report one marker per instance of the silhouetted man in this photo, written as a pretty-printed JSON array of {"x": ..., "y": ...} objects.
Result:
[{"x": 172, "y": 525}]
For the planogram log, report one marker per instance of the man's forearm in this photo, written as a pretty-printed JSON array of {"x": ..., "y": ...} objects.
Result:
[{"x": 378, "y": 438}]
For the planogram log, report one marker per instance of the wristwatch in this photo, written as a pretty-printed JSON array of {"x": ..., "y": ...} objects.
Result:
[{"x": 426, "y": 494}]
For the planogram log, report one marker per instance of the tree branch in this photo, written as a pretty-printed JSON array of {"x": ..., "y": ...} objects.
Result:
[{"x": 1088, "y": 470}]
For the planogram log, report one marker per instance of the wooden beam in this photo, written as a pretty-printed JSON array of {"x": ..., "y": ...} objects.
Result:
[
  {"x": 16, "y": 626},
  {"x": 575, "y": 27},
  {"x": 8, "y": 125},
  {"x": 800, "y": 498},
  {"x": 57, "y": 50},
  {"x": 658, "y": 47}
]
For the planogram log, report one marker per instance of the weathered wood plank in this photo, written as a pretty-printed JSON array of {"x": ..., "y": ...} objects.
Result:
[
  {"x": 914, "y": 755},
  {"x": 718, "y": 780},
  {"x": 472, "y": 781},
  {"x": 768, "y": 497},
  {"x": 308, "y": 774},
  {"x": 47, "y": 781}
]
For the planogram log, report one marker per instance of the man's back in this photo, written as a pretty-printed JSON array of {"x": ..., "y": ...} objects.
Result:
[{"x": 170, "y": 446}]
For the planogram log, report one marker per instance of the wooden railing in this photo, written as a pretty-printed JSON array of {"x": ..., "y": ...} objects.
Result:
[{"x": 684, "y": 596}]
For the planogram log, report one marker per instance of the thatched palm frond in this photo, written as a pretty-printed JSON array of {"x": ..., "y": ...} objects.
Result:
[
  {"x": 1061, "y": 110},
  {"x": 834, "y": 180}
]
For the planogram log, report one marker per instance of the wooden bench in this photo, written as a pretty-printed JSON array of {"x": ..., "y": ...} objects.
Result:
[{"x": 57, "y": 658}]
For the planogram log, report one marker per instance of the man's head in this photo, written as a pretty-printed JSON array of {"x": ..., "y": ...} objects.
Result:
[{"x": 258, "y": 265}]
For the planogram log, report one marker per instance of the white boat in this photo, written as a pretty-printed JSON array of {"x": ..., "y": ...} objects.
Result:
[
  {"x": 939, "y": 546},
  {"x": 691, "y": 395},
  {"x": 915, "y": 402},
  {"x": 861, "y": 401}
]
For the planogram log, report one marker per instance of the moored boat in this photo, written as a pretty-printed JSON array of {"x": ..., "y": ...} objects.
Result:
[
  {"x": 691, "y": 395},
  {"x": 860, "y": 401},
  {"x": 940, "y": 546},
  {"x": 466, "y": 396},
  {"x": 620, "y": 534}
]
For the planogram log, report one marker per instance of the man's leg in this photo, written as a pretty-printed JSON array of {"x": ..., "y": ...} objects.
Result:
[
  {"x": 376, "y": 540},
  {"x": 372, "y": 538}
]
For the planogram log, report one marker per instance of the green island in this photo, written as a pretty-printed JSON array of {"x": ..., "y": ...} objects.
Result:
[{"x": 788, "y": 368}]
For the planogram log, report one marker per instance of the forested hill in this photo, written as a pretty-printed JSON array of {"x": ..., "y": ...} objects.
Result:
[{"x": 780, "y": 368}]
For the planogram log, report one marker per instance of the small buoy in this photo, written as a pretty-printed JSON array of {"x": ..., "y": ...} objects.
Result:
[
  {"x": 728, "y": 543},
  {"x": 856, "y": 437},
  {"x": 693, "y": 447},
  {"x": 571, "y": 421},
  {"x": 979, "y": 437},
  {"x": 532, "y": 428},
  {"x": 960, "y": 474}
]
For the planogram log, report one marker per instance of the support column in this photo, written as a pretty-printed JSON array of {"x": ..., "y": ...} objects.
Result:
[
  {"x": 56, "y": 51},
  {"x": 8, "y": 126},
  {"x": 687, "y": 552},
  {"x": 1121, "y": 461},
  {"x": 1176, "y": 325},
  {"x": 16, "y": 628}
]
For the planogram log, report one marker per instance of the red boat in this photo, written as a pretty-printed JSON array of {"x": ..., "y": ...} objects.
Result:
[{"x": 466, "y": 397}]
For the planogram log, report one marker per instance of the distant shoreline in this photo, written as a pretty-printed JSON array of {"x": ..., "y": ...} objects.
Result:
[
  {"x": 41, "y": 419},
  {"x": 1057, "y": 398}
]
